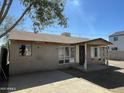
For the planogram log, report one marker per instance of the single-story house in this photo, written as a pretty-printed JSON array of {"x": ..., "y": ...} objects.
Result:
[{"x": 29, "y": 52}]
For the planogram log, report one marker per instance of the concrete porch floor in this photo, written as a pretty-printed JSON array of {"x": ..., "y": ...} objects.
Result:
[{"x": 91, "y": 67}]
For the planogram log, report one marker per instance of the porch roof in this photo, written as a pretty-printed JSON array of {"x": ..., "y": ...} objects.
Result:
[{"x": 96, "y": 42}]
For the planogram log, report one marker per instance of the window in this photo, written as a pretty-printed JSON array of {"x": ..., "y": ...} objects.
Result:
[
  {"x": 72, "y": 52},
  {"x": 115, "y": 38},
  {"x": 25, "y": 50},
  {"x": 61, "y": 55},
  {"x": 72, "y": 55},
  {"x": 95, "y": 52},
  {"x": 114, "y": 48},
  {"x": 66, "y": 54}
]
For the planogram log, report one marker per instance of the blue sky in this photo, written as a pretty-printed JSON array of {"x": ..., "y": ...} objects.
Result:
[{"x": 86, "y": 18}]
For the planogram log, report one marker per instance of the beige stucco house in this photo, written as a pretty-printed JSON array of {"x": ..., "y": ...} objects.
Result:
[{"x": 30, "y": 52}]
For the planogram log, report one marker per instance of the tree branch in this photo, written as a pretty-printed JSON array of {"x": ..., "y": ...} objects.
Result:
[
  {"x": 3, "y": 8},
  {"x": 6, "y": 11},
  {"x": 10, "y": 29}
]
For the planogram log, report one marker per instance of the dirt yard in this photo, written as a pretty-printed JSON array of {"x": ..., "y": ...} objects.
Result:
[
  {"x": 71, "y": 81},
  {"x": 53, "y": 82},
  {"x": 111, "y": 78}
]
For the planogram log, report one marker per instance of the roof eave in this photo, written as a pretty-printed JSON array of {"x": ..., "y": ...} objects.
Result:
[{"x": 86, "y": 42}]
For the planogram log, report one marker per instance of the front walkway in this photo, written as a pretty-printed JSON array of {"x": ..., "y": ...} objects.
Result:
[{"x": 53, "y": 82}]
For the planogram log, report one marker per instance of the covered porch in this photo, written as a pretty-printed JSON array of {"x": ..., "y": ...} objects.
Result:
[{"x": 93, "y": 55}]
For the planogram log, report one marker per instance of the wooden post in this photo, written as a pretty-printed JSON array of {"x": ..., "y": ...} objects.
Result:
[{"x": 85, "y": 63}]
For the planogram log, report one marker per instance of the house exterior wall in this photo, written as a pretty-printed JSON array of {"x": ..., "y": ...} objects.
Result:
[
  {"x": 116, "y": 54},
  {"x": 44, "y": 57},
  {"x": 100, "y": 59},
  {"x": 119, "y": 43}
]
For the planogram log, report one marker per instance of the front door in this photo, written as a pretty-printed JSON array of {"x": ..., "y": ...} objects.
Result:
[{"x": 81, "y": 54}]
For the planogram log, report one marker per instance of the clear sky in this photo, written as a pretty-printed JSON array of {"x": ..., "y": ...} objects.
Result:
[{"x": 86, "y": 18}]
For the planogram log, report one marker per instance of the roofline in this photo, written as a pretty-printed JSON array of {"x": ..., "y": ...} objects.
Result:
[
  {"x": 42, "y": 42},
  {"x": 116, "y": 35},
  {"x": 109, "y": 43},
  {"x": 59, "y": 43},
  {"x": 51, "y": 34}
]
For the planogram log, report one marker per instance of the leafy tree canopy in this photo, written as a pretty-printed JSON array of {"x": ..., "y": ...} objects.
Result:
[{"x": 42, "y": 12}]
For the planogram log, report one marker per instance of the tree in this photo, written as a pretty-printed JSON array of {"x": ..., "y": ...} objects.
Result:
[
  {"x": 6, "y": 24},
  {"x": 42, "y": 12}
]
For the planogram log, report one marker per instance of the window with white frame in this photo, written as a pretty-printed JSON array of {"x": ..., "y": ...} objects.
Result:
[
  {"x": 72, "y": 55},
  {"x": 115, "y": 38},
  {"x": 66, "y": 54},
  {"x": 95, "y": 52},
  {"x": 114, "y": 48},
  {"x": 25, "y": 50}
]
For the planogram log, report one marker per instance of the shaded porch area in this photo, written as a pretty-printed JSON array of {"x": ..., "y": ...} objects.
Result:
[
  {"x": 91, "y": 67},
  {"x": 93, "y": 55}
]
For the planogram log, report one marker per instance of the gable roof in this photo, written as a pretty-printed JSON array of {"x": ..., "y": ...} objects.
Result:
[
  {"x": 117, "y": 33},
  {"x": 42, "y": 37},
  {"x": 98, "y": 41}
]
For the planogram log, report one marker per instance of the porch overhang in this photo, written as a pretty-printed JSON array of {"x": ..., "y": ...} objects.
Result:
[
  {"x": 99, "y": 42},
  {"x": 96, "y": 42}
]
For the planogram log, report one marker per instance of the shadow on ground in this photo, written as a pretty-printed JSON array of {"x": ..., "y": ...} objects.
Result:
[
  {"x": 108, "y": 78},
  {"x": 3, "y": 86},
  {"x": 36, "y": 79}
]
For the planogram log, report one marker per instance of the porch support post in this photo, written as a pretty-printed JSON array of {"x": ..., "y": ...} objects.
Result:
[
  {"x": 85, "y": 63},
  {"x": 107, "y": 56}
]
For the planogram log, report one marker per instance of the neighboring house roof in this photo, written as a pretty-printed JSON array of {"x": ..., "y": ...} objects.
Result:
[
  {"x": 117, "y": 33},
  {"x": 30, "y": 36}
]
